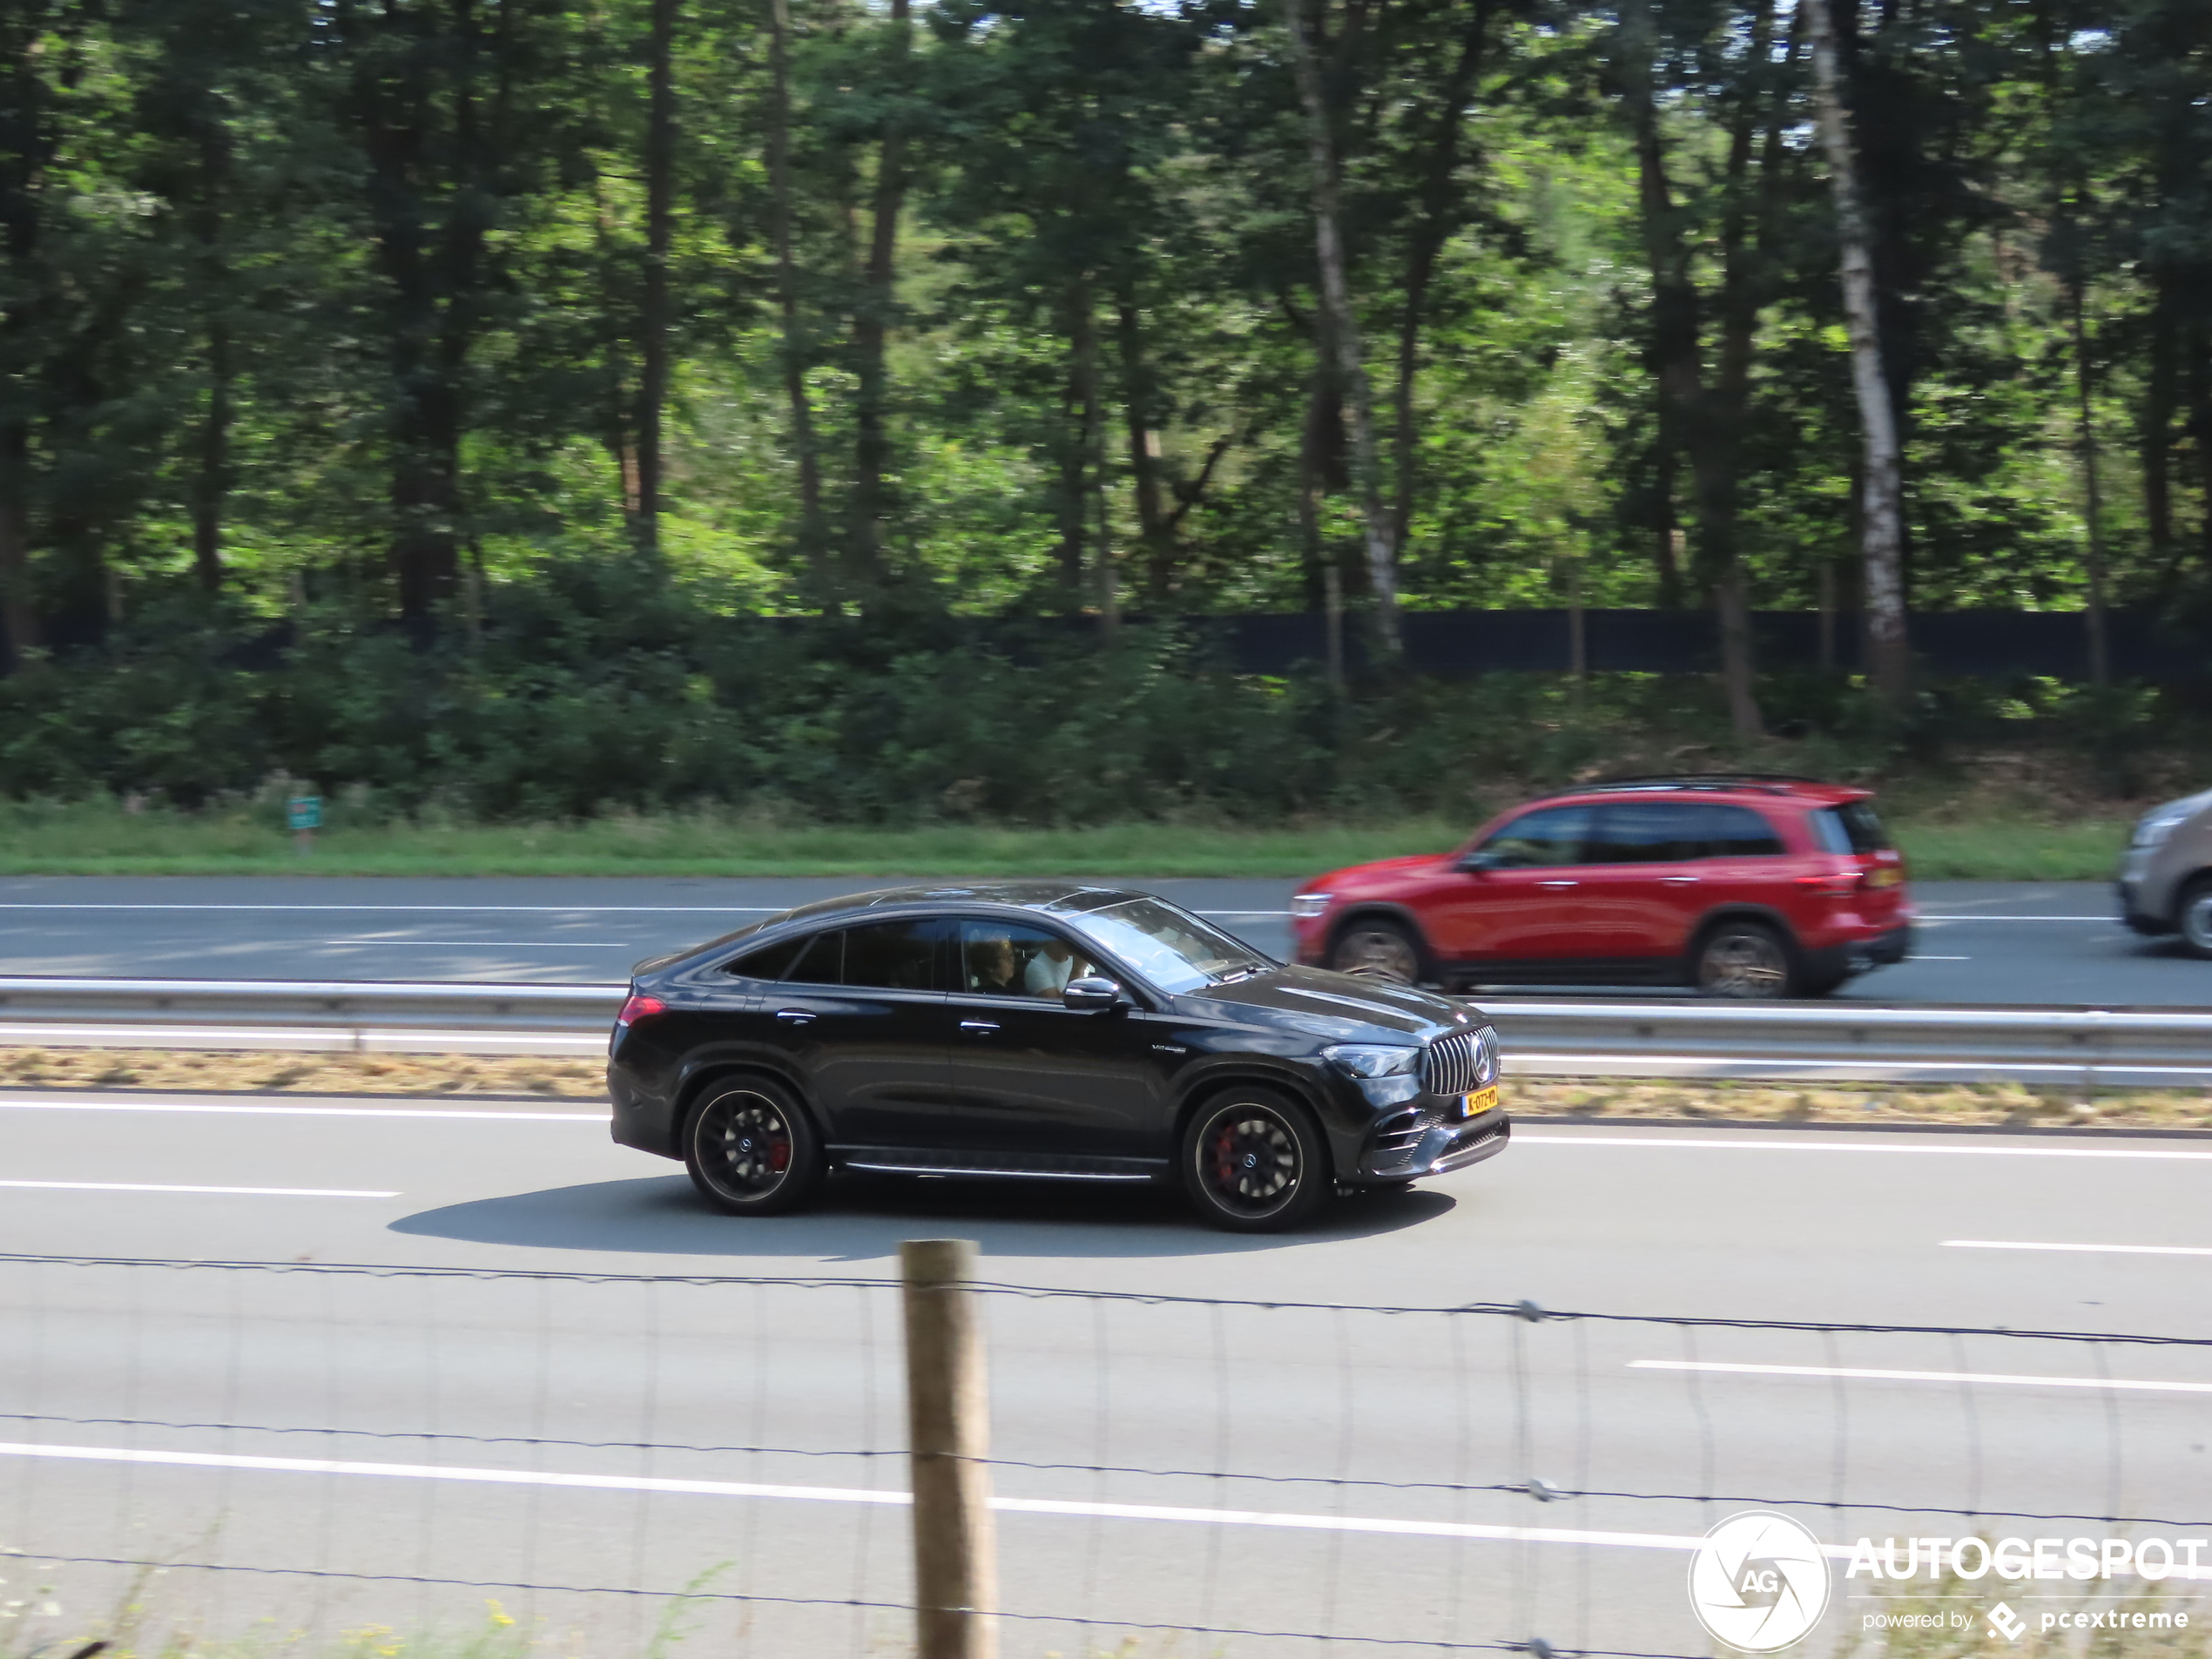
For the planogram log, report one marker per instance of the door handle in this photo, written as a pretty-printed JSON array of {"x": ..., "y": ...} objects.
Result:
[
  {"x": 793, "y": 1016},
  {"x": 1556, "y": 883},
  {"x": 1678, "y": 880},
  {"x": 979, "y": 1027}
]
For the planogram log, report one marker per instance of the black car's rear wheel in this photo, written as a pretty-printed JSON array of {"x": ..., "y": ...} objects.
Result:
[
  {"x": 1253, "y": 1161},
  {"x": 750, "y": 1149},
  {"x": 1745, "y": 959},
  {"x": 1377, "y": 949}
]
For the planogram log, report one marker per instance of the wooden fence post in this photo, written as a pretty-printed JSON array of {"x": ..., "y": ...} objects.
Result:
[{"x": 949, "y": 1419}]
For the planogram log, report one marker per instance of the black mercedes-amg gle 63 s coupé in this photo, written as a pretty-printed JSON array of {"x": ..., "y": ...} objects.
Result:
[{"x": 1047, "y": 1030}]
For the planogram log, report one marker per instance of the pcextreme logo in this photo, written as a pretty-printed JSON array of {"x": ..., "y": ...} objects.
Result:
[{"x": 1758, "y": 1581}]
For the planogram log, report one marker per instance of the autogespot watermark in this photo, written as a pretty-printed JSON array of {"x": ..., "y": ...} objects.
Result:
[{"x": 1759, "y": 1581}]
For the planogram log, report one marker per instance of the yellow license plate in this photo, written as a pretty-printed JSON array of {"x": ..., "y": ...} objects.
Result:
[
  {"x": 1882, "y": 878},
  {"x": 1483, "y": 1100}
]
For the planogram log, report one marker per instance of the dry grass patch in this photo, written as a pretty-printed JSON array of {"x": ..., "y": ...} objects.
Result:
[
  {"x": 1861, "y": 1105},
  {"x": 229, "y": 1072}
]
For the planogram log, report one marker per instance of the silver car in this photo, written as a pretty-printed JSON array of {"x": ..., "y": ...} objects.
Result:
[{"x": 2166, "y": 877}]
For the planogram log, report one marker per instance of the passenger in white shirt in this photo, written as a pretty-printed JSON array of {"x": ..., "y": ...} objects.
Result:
[{"x": 1050, "y": 970}]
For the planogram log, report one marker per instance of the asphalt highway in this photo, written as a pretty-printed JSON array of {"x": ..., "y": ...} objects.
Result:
[
  {"x": 1267, "y": 1469},
  {"x": 1979, "y": 942}
]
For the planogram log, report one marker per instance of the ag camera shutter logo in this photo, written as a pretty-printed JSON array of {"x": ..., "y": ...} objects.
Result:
[{"x": 1758, "y": 1581}]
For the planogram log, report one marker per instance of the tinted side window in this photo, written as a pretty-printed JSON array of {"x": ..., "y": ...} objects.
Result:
[
  {"x": 822, "y": 961},
  {"x": 1550, "y": 835},
  {"x": 769, "y": 962},
  {"x": 1739, "y": 832},
  {"x": 1004, "y": 958},
  {"x": 1864, "y": 829},
  {"x": 1649, "y": 832},
  {"x": 894, "y": 955}
]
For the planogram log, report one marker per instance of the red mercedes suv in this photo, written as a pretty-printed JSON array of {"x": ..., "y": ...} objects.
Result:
[{"x": 1739, "y": 885}]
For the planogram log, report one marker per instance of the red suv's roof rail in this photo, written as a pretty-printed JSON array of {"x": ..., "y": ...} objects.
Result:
[{"x": 1773, "y": 783}]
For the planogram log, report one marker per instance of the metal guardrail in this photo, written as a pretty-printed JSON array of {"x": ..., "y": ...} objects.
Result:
[{"x": 1582, "y": 1037}]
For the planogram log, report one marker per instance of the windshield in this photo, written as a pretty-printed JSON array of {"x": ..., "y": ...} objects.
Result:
[{"x": 1171, "y": 947}]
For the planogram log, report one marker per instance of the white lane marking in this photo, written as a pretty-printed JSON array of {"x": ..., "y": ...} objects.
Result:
[
  {"x": 2107, "y": 1250},
  {"x": 1523, "y": 1138},
  {"x": 258, "y": 1110},
  {"x": 1917, "y": 958},
  {"x": 2114, "y": 920},
  {"x": 1873, "y": 1373},
  {"x": 855, "y": 1494},
  {"x": 227, "y": 1192}
]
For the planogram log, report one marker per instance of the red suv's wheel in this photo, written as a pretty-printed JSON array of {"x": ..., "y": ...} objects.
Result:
[
  {"x": 1745, "y": 959},
  {"x": 1376, "y": 948}
]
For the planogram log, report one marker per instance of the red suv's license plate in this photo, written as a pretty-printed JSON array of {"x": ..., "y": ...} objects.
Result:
[{"x": 1483, "y": 1100}]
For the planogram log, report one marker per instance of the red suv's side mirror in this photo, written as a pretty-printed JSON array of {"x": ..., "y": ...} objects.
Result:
[{"x": 1476, "y": 863}]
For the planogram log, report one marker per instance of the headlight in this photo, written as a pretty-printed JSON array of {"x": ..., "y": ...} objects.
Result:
[
  {"x": 2149, "y": 832},
  {"x": 1310, "y": 905},
  {"x": 1361, "y": 1060}
]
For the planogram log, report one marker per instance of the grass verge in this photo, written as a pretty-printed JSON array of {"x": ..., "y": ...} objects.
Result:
[
  {"x": 100, "y": 839},
  {"x": 1628, "y": 1099}
]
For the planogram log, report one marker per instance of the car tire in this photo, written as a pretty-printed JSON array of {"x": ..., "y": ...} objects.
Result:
[
  {"x": 751, "y": 1148},
  {"x": 1377, "y": 947},
  {"x": 2193, "y": 917},
  {"x": 1253, "y": 1161},
  {"x": 1745, "y": 959}
]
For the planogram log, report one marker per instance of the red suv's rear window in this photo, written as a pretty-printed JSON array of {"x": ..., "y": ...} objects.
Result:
[{"x": 1852, "y": 827}]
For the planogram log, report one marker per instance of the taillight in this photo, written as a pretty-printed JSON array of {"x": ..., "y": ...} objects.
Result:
[
  {"x": 1837, "y": 884},
  {"x": 639, "y": 1007}
]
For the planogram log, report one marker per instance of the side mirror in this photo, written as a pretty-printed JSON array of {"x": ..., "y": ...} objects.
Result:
[
  {"x": 1475, "y": 863},
  {"x": 1092, "y": 996}
]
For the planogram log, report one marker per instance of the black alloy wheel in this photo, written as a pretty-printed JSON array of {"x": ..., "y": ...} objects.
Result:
[
  {"x": 1747, "y": 959},
  {"x": 1253, "y": 1161},
  {"x": 1373, "y": 947},
  {"x": 750, "y": 1149}
]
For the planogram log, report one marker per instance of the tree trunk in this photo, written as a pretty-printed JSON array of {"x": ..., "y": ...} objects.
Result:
[
  {"x": 1343, "y": 330},
  {"x": 1882, "y": 539},
  {"x": 802, "y": 411},
  {"x": 26, "y": 146},
  {"x": 871, "y": 448},
  {"x": 211, "y": 486},
  {"x": 1689, "y": 421},
  {"x": 1153, "y": 530},
  {"x": 17, "y": 611},
  {"x": 2084, "y": 384},
  {"x": 2160, "y": 397},
  {"x": 653, "y": 319},
  {"x": 1438, "y": 222}
]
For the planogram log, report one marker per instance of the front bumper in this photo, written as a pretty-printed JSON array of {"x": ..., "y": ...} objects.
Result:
[
  {"x": 2133, "y": 914},
  {"x": 1435, "y": 1143}
]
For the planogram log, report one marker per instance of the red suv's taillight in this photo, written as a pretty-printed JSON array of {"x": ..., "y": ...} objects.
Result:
[
  {"x": 1836, "y": 884},
  {"x": 639, "y": 1007}
]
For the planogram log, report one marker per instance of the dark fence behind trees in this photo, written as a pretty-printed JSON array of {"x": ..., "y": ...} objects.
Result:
[{"x": 1983, "y": 642}]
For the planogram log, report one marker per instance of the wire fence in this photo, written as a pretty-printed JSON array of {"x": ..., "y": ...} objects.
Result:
[{"x": 206, "y": 1450}]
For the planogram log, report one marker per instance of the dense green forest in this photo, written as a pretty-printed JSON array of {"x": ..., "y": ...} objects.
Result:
[{"x": 422, "y": 395}]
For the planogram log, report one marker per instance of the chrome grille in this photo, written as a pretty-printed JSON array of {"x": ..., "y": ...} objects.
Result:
[
  {"x": 1449, "y": 1067},
  {"x": 1460, "y": 1064}
]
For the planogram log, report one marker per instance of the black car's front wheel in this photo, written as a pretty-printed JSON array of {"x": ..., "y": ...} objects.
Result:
[
  {"x": 750, "y": 1149},
  {"x": 1253, "y": 1161}
]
